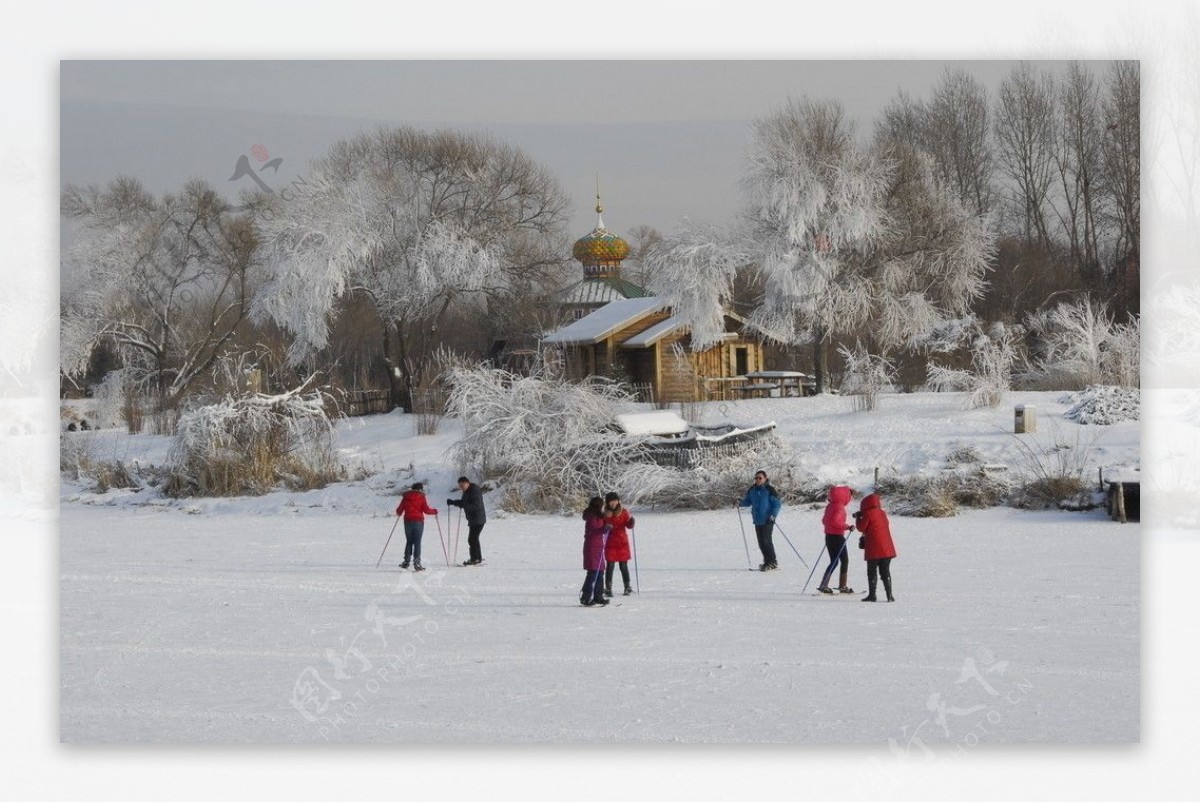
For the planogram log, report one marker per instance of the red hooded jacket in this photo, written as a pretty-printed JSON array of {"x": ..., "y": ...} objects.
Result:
[
  {"x": 873, "y": 523},
  {"x": 414, "y": 506},
  {"x": 617, "y": 548},
  {"x": 835, "y": 520}
]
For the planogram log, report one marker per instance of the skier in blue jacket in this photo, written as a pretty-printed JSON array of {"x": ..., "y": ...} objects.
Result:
[{"x": 764, "y": 503}]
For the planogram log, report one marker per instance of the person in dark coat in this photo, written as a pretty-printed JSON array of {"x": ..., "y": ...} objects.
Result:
[
  {"x": 472, "y": 508},
  {"x": 616, "y": 551},
  {"x": 414, "y": 507},
  {"x": 595, "y": 532},
  {"x": 764, "y": 503},
  {"x": 836, "y": 524},
  {"x": 877, "y": 545}
]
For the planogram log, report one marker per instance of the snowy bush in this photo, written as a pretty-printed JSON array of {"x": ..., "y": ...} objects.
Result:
[
  {"x": 78, "y": 461},
  {"x": 990, "y": 376},
  {"x": 554, "y": 443},
  {"x": 1054, "y": 470},
  {"x": 866, "y": 375},
  {"x": 252, "y": 445},
  {"x": 1079, "y": 345},
  {"x": 551, "y": 441},
  {"x": 1104, "y": 404},
  {"x": 942, "y": 495}
]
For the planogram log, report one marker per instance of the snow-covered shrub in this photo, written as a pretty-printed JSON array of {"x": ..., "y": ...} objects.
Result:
[
  {"x": 866, "y": 375},
  {"x": 1104, "y": 404},
  {"x": 252, "y": 445},
  {"x": 990, "y": 376},
  {"x": 960, "y": 455},
  {"x": 78, "y": 460},
  {"x": 942, "y": 495},
  {"x": 1079, "y": 345},
  {"x": 1054, "y": 470},
  {"x": 552, "y": 442},
  {"x": 723, "y": 477},
  {"x": 116, "y": 402}
]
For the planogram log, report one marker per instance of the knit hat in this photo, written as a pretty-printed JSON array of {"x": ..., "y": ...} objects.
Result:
[{"x": 610, "y": 496}]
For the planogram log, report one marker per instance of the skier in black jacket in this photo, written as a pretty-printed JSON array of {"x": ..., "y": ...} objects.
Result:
[{"x": 472, "y": 507}]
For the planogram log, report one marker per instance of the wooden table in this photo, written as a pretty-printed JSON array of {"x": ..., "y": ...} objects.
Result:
[
  {"x": 790, "y": 383},
  {"x": 759, "y": 389}
]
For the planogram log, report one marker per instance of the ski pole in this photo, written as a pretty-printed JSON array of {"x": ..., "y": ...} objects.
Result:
[
  {"x": 457, "y": 533},
  {"x": 816, "y": 563},
  {"x": 745, "y": 544},
  {"x": 445, "y": 554},
  {"x": 793, "y": 546},
  {"x": 637, "y": 585},
  {"x": 388, "y": 541}
]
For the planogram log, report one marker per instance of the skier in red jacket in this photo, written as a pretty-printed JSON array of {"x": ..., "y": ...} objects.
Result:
[
  {"x": 877, "y": 544},
  {"x": 616, "y": 550},
  {"x": 837, "y": 525},
  {"x": 414, "y": 507}
]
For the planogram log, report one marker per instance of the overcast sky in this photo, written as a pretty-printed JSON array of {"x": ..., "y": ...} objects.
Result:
[{"x": 666, "y": 138}]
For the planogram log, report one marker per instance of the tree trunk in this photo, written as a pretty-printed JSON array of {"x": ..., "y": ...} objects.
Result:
[
  {"x": 394, "y": 390},
  {"x": 820, "y": 359}
]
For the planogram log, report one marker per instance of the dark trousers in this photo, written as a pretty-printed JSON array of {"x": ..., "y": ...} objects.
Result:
[
  {"x": 882, "y": 568},
  {"x": 608, "y": 573},
  {"x": 593, "y": 585},
  {"x": 765, "y": 545},
  {"x": 836, "y": 546},
  {"x": 413, "y": 530},
  {"x": 473, "y": 531}
]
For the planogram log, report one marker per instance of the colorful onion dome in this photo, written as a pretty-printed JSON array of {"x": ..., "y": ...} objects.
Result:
[
  {"x": 601, "y": 251},
  {"x": 600, "y": 246}
]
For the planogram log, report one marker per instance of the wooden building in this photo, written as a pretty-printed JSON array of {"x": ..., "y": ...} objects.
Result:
[{"x": 638, "y": 340}]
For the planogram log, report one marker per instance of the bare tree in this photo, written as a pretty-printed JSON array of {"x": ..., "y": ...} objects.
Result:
[
  {"x": 417, "y": 223},
  {"x": 166, "y": 281},
  {"x": 1024, "y": 129},
  {"x": 1078, "y": 165},
  {"x": 957, "y": 134},
  {"x": 1120, "y": 149}
]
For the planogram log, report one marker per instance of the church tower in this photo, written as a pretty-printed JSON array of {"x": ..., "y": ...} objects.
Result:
[{"x": 601, "y": 253}]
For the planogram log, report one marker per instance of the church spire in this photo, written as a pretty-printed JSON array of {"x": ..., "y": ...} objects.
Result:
[{"x": 599, "y": 206}]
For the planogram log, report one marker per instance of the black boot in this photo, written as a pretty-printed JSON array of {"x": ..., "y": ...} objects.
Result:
[
  {"x": 608, "y": 590},
  {"x": 887, "y": 587},
  {"x": 628, "y": 591},
  {"x": 599, "y": 599}
]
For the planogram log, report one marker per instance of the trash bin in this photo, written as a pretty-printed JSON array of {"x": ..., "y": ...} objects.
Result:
[{"x": 1025, "y": 419}]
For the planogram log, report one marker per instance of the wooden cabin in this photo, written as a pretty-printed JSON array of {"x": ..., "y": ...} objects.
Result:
[{"x": 640, "y": 341}]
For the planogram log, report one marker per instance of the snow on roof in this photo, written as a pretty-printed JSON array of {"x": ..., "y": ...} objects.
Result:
[
  {"x": 596, "y": 326},
  {"x": 652, "y": 335},
  {"x": 659, "y": 422}
]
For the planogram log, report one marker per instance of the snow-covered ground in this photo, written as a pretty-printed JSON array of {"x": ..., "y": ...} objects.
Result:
[{"x": 265, "y": 619}]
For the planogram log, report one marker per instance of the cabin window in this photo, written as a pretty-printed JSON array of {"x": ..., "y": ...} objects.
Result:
[{"x": 741, "y": 360}]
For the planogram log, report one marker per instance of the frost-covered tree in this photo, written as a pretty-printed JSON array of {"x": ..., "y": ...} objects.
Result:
[
  {"x": 166, "y": 281},
  {"x": 414, "y": 222},
  {"x": 845, "y": 238},
  {"x": 693, "y": 269}
]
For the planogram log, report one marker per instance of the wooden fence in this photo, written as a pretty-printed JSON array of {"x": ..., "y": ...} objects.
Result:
[{"x": 367, "y": 402}]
